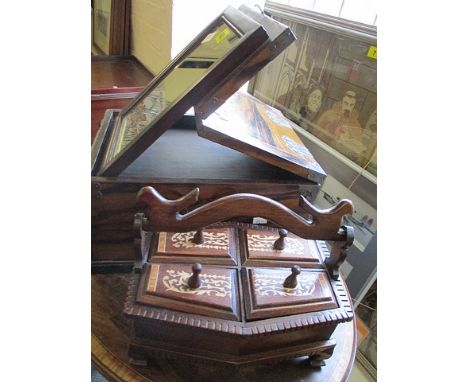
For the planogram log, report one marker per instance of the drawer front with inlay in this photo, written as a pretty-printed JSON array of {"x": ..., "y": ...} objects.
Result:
[
  {"x": 168, "y": 286},
  {"x": 267, "y": 293}
]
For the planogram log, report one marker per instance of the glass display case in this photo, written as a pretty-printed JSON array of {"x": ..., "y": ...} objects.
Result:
[
  {"x": 326, "y": 82},
  {"x": 366, "y": 312}
]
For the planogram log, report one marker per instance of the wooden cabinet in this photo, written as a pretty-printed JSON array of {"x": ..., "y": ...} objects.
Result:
[
  {"x": 206, "y": 282},
  {"x": 226, "y": 268},
  {"x": 232, "y": 291}
]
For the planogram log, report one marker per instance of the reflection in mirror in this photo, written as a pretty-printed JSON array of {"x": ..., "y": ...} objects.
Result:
[{"x": 180, "y": 80}]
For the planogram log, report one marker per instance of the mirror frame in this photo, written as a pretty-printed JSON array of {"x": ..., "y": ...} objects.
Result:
[{"x": 252, "y": 35}]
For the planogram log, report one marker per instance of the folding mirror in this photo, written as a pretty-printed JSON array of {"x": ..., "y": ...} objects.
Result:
[{"x": 217, "y": 51}]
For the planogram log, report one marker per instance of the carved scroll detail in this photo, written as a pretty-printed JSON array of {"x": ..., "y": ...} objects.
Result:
[
  {"x": 338, "y": 252},
  {"x": 165, "y": 215}
]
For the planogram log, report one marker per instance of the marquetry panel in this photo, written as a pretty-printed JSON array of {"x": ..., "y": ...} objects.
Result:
[
  {"x": 267, "y": 297},
  {"x": 258, "y": 250},
  {"x": 248, "y": 125},
  {"x": 219, "y": 247},
  {"x": 166, "y": 286}
]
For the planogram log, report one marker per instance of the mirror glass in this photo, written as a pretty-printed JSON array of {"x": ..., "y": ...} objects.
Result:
[{"x": 187, "y": 73}]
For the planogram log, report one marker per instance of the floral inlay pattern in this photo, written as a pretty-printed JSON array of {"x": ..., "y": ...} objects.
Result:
[
  {"x": 212, "y": 285},
  {"x": 272, "y": 285},
  {"x": 212, "y": 240},
  {"x": 264, "y": 243}
]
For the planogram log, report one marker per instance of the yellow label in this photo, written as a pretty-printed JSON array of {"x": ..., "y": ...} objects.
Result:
[
  {"x": 372, "y": 52},
  {"x": 222, "y": 35}
]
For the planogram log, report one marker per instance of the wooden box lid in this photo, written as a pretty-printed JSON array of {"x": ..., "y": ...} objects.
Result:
[
  {"x": 225, "y": 55},
  {"x": 248, "y": 125}
]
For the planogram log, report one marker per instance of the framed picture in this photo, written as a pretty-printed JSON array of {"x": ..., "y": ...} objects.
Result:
[
  {"x": 216, "y": 52},
  {"x": 111, "y": 26}
]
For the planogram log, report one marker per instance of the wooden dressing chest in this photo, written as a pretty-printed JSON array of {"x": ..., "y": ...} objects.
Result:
[
  {"x": 202, "y": 160},
  {"x": 189, "y": 128},
  {"x": 236, "y": 292}
]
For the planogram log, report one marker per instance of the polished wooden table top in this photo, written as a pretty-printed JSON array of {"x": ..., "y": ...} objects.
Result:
[
  {"x": 111, "y": 336},
  {"x": 115, "y": 72}
]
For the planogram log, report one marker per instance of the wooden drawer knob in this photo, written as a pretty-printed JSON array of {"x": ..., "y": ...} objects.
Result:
[
  {"x": 194, "y": 281},
  {"x": 198, "y": 237},
  {"x": 280, "y": 243},
  {"x": 291, "y": 280}
]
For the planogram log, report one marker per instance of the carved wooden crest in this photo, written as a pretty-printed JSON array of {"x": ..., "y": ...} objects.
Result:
[{"x": 165, "y": 215}]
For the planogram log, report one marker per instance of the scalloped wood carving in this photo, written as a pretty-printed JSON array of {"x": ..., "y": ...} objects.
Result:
[{"x": 165, "y": 215}]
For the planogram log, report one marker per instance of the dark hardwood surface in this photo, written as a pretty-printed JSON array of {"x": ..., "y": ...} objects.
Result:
[
  {"x": 111, "y": 72},
  {"x": 180, "y": 153},
  {"x": 111, "y": 336}
]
